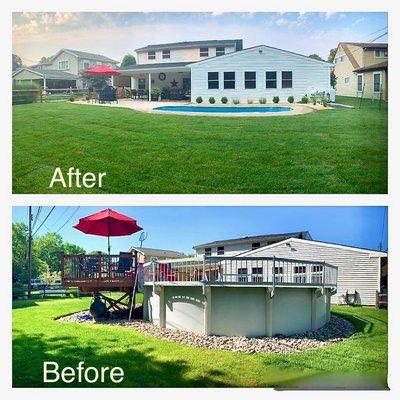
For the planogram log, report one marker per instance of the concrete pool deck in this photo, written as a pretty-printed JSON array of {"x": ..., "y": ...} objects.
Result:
[{"x": 148, "y": 107}]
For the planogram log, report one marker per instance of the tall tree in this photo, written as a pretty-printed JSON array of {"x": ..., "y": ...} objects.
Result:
[
  {"x": 16, "y": 62},
  {"x": 331, "y": 58},
  {"x": 332, "y": 53},
  {"x": 19, "y": 251},
  {"x": 47, "y": 249},
  {"x": 128, "y": 59},
  {"x": 316, "y": 57}
]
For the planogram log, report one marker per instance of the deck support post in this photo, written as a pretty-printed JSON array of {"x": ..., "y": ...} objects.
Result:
[
  {"x": 314, "y": 309},
  {"x": 328, "y": 305},
  {"x": 269, "y": 312},
  {"x": 162, "y": 310},
  {"x": 207, "y": 308}
]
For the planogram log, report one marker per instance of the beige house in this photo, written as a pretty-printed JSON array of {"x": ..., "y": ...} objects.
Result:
[
  {"x": 361, "y": 70},
  {"x": 146, "y": 254},
  {"x": 63, "y": 69}
]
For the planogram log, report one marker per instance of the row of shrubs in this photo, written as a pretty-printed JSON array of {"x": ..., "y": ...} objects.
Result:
[
  {"x": 262, "y": 100},
  {"x": 316, "y": 98},
  {"x": 25, "y": 92}
]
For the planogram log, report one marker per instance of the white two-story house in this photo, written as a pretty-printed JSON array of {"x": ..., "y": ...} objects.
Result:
[
  {"x": 63, "y": 69},
  {"x": 222, "y": 68}
]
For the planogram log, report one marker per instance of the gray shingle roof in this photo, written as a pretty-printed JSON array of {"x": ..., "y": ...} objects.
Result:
[
  {"x": 275, "y": 237},
  {"x": 49, "y": 73},
  {"x": 237, "y": 42},
  {"x": 91, "y": 56},
  {"x": 135, "y": 67},
  {"x": 369, "y": 45}
]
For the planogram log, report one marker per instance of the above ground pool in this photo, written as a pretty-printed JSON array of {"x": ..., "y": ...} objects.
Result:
[{"x": 224, "y": 109}]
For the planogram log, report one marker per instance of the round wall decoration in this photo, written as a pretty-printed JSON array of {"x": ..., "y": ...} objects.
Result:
[{"x": 161, "y": 76}]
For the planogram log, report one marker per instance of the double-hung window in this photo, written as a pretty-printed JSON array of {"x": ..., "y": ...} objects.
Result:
[
  {"x": 86, "y": 64},
  {"x": 242, "y": 274},
  {"x": 220, "y": 250},
  {"x": 220, "y": 51},
  {"x": 207, "y": 251},
  {"x": 229, "y": 80},
  {"x": 287, "y": 79},
  {"x": 63, "y": 65},
  {"x": 249, "y": 80},
  {"x": 151, "y": 55},
  {"x": 270, "y": 80},
  {"x": 213, "y": 80},
  {"x": 377, "y": 82},
  {"x": 255, "y": 245},
  {"x": 381, "y": 53},
  {"x": 203, "y": 51},
  {"x": 166, "y": 53},
  {"x": 141, "y": 84},
  {"x": 360, "y": 82}
]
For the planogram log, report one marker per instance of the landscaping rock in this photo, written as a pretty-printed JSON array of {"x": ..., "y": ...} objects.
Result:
[{"x": 337, "y": 330}]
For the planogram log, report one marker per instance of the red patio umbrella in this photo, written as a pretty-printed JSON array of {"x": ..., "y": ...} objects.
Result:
[
  {"x": 101, "y": 70},
  {"x": 108, "y": 223}
]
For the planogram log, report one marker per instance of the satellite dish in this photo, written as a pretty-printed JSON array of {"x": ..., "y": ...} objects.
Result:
[{"x": 143, "y": 236}]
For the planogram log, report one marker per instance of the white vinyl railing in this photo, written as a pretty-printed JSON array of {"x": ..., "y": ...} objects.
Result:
[{"x": 243, "y": 270}]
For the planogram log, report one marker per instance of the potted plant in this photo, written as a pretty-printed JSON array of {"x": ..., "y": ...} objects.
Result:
[{"x": 155, "y": 94}]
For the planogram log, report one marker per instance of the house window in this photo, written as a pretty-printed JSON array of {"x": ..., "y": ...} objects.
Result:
[
  {"x": 242, "y": 274},
  {"x": 270, "y": 80},
  {"x": 220, "y": 250},
  {"x": 229, "y": 80},
  {"x": 220, "y": 51},
  {"x": 86, "y": 64},
  {"x": 287, "y": 79},
  {"x": 346, "y": 80},
  {"x": 381, "y": 53},
  {"x": 278, "y": 274},
  {"x": 203, "y": 51},
  {"x": 207, "y": 251},
  {"x": 377, "y": 82},
  {"x": 255, "y": 245},
  {"x": 299, "y": 274},
  {"x": 166, "y": 53},
  {"x": 360, "y": 82},
  {"x": 317, "y": 274},
  {"x": 342, "y": 58},
  {"x": 151, "y": 55},
  {"x": 141, "y": 84},
  {"x": 213, "y": 80},
  {"x": 249, "y": 80},
  {"x": 257, "y": 274},
  {"x": 63, "y": 65}
]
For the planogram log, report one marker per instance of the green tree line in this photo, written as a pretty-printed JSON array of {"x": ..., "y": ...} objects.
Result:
[{"x": 45, "y": 253}]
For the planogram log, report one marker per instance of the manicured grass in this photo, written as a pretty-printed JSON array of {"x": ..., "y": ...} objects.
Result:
[
  {"x": 151, "y": 362},
  {"x": 330, "y": 151}
]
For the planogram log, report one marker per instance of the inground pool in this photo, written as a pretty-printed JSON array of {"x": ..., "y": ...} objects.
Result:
[{"x": 224, "y": 109}]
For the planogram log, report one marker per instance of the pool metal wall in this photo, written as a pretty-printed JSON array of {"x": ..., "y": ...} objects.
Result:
[{"x": 236, "y": 311}]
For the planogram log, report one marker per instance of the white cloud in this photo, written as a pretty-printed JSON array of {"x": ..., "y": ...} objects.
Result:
[
  {"x": 330, "y": 14},
  {"x": 359, "y": 20}
]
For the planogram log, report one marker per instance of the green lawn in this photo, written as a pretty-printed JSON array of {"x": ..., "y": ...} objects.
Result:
[
  {"x": 150, "y": 362},
  {"x": 330, "y": 151}
]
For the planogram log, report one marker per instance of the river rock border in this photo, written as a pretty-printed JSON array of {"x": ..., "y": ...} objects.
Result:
[{"x": 336, "y": 330}]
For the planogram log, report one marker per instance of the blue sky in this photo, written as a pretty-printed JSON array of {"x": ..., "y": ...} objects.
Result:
[
  {"x": 114, "y": 34},
  {"x": 180, "y": 228}
]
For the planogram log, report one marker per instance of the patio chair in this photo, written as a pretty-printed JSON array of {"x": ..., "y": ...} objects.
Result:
[
  {"x": 125, "y": 263},
  {"x": 108, "y": 94}
]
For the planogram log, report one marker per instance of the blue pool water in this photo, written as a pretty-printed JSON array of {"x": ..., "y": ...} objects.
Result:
[{"x": 227, "y": 109}]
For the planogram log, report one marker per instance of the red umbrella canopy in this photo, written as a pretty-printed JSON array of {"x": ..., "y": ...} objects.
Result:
[
  {"x": 101, "y": 70},
  {"x": 108, "y": 223}
]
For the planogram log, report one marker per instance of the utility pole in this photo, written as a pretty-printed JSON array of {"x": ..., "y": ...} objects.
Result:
[{"x": 30, "y": 251}]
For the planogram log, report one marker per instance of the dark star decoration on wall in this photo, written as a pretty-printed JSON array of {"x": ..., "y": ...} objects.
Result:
[{"x": 174, "y": 83}]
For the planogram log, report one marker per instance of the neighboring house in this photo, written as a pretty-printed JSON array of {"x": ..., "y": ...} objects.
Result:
[
  {"x": 62, "y": 69},
  {"x": 360, "y": 270},
  {"x": 234, "y": 247},
  {"x": 223, "y": 68},
  {"x": 147, "y": 254},
  {"x": 361, "y": 69}
]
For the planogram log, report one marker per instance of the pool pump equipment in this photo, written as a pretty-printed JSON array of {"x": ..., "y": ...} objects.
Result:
[{"x": 98, "y": 308}]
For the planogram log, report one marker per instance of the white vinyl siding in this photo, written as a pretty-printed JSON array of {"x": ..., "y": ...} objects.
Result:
[
  {"x": 356, "y": 270},
  {"x": 308, "y": 75}
]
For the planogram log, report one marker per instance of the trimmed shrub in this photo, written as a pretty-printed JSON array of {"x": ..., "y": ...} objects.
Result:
[
  {"x": 313, "y": 99},
  {"x": 236, "y": 102},
  {"x": 276, "y": 99},
  {"x": 211, "y": 100},
  {"x": 249, "y": 101},
  {"x": 199, "y": 99},
  {"x": 71, "y": 98},
  {"x": 262, "y": 100},
  {"x": 290, "y": 99},
  {"x": 25, "y": 92},
  {"x": 224, "y": 100},
  {"x": 17, "y": 290},
  {"x": 304, "y": 99},
  {"x": 324, "y": 101}
]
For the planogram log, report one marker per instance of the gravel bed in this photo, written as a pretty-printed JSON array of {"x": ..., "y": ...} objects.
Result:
[{"x": 337, "y": 330}]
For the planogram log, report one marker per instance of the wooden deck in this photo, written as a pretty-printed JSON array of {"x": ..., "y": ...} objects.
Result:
[{"x": 99, "y": 272}]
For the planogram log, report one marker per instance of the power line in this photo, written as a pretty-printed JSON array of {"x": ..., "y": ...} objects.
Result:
[
  {"x": 59, "y": 217},
  {"x": 47, "y": 216},
  {"x": 38, "y": 211},
  {"x": 77, "y": 208},
  {"x": 373, "y": 33}
]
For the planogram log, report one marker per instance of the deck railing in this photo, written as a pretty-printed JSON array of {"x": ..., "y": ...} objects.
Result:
[
  {"x": 244, "y": 270},
  {"x": 97, "y": 270}
]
